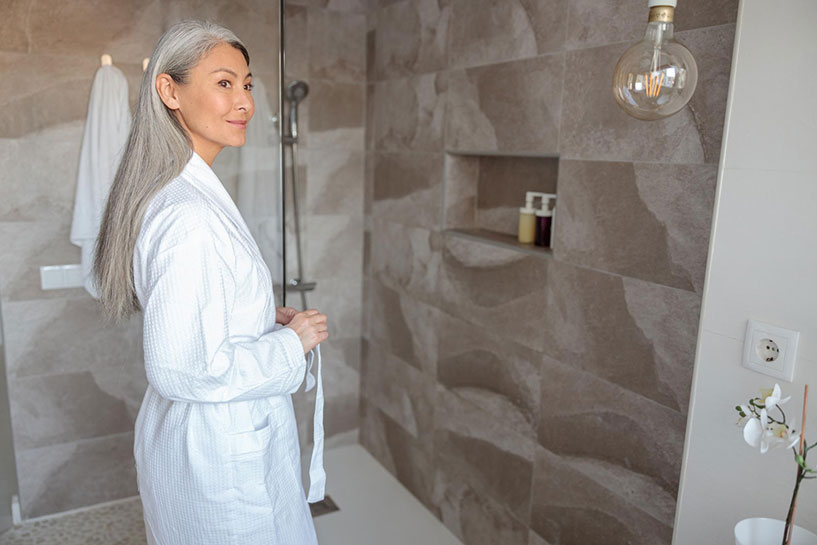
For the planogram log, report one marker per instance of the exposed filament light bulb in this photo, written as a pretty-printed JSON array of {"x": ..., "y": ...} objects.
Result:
[
  {"x": 654, "y": 84},
  {"x": 656, "y": 77}
]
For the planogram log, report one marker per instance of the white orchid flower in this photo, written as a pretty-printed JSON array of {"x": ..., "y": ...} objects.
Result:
[
  {"x": 754, "y": 432},
  {"x": 768, "y": 434},
  {"x": 785, "y": 435},
  {"x": 773, "y": 397}
]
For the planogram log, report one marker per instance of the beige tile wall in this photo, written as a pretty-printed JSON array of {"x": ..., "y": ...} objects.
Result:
[
  {"x": 75, "y": 382},
  {"x": 524, "y": 399}
]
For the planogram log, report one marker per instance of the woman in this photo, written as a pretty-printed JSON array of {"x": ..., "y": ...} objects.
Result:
[{"x": 215, "y": 443}]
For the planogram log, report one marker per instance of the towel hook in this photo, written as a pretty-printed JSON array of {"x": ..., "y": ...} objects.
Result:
[{"x": 107, "y": 60}]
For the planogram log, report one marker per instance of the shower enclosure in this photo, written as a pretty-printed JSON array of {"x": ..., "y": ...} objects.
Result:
[{"x": 72, "y": 383}]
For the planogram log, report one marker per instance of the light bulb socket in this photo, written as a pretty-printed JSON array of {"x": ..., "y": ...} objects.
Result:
[{"x": 661, "y": 14}]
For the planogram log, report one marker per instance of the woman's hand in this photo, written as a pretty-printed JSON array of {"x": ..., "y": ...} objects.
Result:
[
  {"x": 310, "y": 325},
  {"x": 284, "y": 315}
]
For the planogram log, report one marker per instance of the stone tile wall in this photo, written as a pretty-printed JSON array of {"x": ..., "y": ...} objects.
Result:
[
  {"x": 75, "y": 382},
  {"x": 522, "y": 399},
  {"x": 534, "y": 399}
]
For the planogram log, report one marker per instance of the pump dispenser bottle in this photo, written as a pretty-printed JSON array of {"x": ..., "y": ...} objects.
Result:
[
  {"x": 544, "y": 222},
  {"x": 527, "y": 220}
]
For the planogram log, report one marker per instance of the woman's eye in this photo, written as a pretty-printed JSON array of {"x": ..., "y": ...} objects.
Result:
[
  {"x": 250, "y": 86},
  {"x": 223, "y": 81}
]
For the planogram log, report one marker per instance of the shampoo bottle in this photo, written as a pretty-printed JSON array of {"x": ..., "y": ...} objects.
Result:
[{"x": 527, "y": 220}]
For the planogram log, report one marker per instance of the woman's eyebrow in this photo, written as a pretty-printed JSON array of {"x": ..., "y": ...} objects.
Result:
[{"x": 249, "y": 74}]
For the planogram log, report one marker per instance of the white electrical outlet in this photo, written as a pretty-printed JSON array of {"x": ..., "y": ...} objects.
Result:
[{"x": 770, "y": 350}]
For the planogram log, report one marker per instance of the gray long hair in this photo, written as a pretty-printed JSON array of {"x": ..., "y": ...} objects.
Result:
[{"x": 157, "y": 150}]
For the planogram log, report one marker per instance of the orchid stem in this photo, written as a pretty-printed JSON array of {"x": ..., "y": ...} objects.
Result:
[
  {"x": 789, "y": 522},
  {"x": 801, "y": 473}
]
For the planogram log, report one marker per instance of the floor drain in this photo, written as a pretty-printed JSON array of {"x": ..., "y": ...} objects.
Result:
[{"x": 323, "y": 507}]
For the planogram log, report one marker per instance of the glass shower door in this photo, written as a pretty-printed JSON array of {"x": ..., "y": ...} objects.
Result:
[
  {"x": 8, "y": 470},
  {"x": 253, "y": 173}
]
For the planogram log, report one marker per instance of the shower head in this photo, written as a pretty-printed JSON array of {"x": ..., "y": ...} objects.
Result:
[{"x": 297, "y": 91}]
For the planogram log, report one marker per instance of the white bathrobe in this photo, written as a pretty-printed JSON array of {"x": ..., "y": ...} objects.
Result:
[
  {"x": 103, "y": 141},
  {"x": 216, "y": 443}
]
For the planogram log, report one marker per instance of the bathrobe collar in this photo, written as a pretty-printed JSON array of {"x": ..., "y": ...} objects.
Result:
[{"x": 201, "y": 175}]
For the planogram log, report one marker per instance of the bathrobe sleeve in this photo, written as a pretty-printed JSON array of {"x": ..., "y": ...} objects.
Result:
[{"x": 190, "y": 290}]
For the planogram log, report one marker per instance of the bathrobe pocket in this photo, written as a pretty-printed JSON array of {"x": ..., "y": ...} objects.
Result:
[{"x": 249, "y": 453}]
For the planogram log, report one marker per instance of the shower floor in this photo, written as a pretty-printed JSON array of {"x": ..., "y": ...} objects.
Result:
[{"x": 374, "y": 508}]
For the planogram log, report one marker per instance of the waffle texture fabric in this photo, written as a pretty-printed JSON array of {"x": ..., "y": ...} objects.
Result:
[{"x": 216, "y": 440}]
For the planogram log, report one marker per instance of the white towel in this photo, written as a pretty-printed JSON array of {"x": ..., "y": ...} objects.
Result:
[
  {"x": 106, "y": 132},
  {"x": 258, "y": 194}
]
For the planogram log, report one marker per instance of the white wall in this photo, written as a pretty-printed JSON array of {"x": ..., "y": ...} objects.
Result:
[{"x": 763, "y": 265}]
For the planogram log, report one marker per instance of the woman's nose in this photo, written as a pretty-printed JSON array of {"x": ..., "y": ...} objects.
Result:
[{"x": 244, "y": 102}]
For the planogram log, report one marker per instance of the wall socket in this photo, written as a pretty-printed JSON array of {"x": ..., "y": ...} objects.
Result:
[{"x": 770, "y": 350}]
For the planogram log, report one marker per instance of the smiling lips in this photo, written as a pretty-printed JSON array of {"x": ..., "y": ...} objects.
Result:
[{"x": 242, "y": 124}]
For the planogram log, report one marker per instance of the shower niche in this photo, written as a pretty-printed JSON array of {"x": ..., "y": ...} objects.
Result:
[{"x": 483, "y": 193}]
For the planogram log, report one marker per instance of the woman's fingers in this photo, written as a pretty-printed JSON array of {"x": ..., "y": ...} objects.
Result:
[
  {"x": 311, "y": 327},
  {"x": 318, "y": 319},
  {"x": 284, "y": 315}
]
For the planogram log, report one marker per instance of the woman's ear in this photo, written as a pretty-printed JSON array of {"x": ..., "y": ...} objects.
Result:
[{"x": 166, "y": 88}]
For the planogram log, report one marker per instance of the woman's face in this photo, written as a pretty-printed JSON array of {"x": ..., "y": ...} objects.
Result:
[{"x": 216, "y": 104}]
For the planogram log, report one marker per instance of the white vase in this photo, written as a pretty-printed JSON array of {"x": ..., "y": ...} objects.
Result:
[{"x": 762, "y": 531}]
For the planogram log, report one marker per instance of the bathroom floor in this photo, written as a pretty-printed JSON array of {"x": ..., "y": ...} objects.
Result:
[{"x": 374, "y": 508}]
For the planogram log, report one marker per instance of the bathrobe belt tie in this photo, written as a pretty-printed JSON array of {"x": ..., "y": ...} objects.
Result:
[{"x": 317, "y": 474}]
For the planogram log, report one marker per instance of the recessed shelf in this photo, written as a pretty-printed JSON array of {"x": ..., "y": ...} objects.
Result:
[
  {"x": 483, "y": 193},
  {"x": 478, "y": 153},
  {"x": 500, "y": 239}
]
